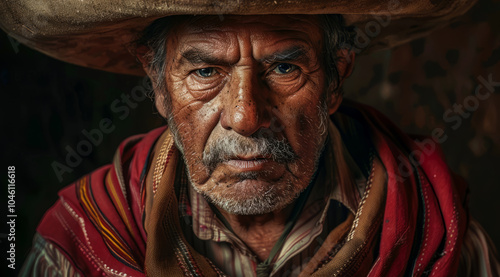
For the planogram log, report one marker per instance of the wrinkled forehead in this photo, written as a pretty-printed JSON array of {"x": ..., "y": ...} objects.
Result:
[{"x": 303, "y": 27}]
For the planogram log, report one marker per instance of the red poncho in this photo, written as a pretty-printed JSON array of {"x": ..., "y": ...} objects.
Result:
[{"x": 416, "y": 225}]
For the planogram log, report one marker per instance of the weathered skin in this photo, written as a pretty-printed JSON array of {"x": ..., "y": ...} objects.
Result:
[{"x": 223, "y": 79}]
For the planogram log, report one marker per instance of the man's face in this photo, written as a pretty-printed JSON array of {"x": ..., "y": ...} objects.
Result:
[{"x": 247, "y": 107}]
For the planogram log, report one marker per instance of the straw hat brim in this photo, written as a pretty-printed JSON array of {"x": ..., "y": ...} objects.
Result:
[{"x": 98, "y": 34}]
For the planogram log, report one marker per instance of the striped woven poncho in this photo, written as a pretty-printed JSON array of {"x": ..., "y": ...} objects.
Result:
[{"x": 414, "y": 223}]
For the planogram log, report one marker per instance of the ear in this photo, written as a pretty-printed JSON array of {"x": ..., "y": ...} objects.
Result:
[
  {"x": 345, "y": 65},
  {"x": 142, "y": 54},
  {"x": 334, "y": 102}
]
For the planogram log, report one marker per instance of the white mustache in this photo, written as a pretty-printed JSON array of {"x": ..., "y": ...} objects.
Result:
[{"x": 230, "y": 147}]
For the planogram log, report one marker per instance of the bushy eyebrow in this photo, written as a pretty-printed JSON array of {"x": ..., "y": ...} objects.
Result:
[
  {"x": 197, "y": 56},
  {"x": 294, "y": 53}
]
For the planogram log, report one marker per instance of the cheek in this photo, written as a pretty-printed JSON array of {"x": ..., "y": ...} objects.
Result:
[
  {"x": 303, "y": 126},
  {"x": 301, "y": 111},
  {"x": 303, "y": 123},
  {"x": 307, "y": 133},
  {"x": 193, "y": 132},
  {"x": 195, "y": 121}
]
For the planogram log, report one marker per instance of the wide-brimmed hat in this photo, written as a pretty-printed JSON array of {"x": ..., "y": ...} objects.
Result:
[{"x": 98, "y": 33}]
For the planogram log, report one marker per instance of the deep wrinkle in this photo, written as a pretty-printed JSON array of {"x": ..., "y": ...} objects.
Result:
[
  {"x": 294, "y": 50},
  {"x": 242, "y": 95}
]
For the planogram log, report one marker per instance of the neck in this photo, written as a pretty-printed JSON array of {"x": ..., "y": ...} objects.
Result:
[{"x": 259, "y": 232}]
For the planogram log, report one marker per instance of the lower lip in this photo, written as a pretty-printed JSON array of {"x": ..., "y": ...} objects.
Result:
[{"x": 248, "y": 165}]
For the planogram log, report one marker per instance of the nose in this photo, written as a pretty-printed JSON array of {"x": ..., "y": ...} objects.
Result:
[{"x": 246, "y": 105}]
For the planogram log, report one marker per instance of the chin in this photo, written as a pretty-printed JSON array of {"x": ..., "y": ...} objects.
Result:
[{"x": 251, "y": 196}]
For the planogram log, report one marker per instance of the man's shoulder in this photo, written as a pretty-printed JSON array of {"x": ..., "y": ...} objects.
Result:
[
  {"x": 128, "y": 162},
  {"x": 100, "y": 214}
]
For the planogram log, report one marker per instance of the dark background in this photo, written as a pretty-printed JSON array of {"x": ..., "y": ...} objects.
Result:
[{"x": 46, "y": 104}]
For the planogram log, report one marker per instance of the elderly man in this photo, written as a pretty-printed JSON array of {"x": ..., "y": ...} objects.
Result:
[{"x": 263, "y": 170}]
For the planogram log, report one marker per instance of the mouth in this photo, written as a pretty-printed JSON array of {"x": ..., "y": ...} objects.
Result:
[{"x": 249, "y": 163}]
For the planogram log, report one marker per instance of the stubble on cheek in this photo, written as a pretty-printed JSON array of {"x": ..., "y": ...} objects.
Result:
[
  {"x": 183, "y": 139},
  {"x": 264, "y": 194}
]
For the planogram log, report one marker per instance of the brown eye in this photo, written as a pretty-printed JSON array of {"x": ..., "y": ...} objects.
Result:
[
  {"x": 206, "y": 72},
  {"x": 284, "y": 68}
]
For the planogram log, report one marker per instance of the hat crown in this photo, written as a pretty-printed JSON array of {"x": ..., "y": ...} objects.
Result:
[{"x": 97, "y": 34}]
